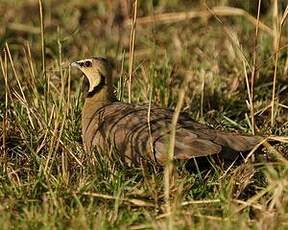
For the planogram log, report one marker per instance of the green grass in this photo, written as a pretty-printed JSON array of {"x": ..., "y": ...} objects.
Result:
[{"x": 47, "y": 181}]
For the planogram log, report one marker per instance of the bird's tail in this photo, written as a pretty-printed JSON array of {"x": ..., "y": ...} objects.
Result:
[{"x": 239, "y": 143}]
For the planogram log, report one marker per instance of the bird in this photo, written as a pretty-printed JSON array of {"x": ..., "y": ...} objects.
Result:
[{"x": 111, "y": 124}]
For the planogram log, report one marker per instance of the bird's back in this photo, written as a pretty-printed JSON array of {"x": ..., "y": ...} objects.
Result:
[{"x": 138, "y": 132}]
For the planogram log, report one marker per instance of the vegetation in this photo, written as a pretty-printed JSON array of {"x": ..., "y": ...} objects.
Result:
[{"x": 237, "y": 68}]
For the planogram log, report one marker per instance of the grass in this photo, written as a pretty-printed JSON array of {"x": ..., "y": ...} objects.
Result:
[{"x": 47, "y": 181}]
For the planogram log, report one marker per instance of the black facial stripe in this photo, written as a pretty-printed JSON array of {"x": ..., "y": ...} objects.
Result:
[
  {"x": 85, "y": 64},
  {"x": 98, "y": 87}
]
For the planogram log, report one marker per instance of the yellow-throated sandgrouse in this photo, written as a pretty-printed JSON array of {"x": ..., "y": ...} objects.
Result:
[{"x": 108, "y": 123}]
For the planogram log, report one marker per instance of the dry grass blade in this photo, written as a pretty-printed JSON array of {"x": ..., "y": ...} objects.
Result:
[
  {"x": 68, "y": 90},
  {"x": 4, "y": 68},
  {"x": 285, "y": 16},
  {"x": 23, "y": 28},
  {"x": 254, "y": 66},
  {"x": 43, "y": 56},
  {"x": 200, "y": 202},
  {"x": 165, "y": 215},
  {"x": 169, "y": 167},
  {"x": 202, "y": 95},
  {"x": 129, "y": 201},
  {"x": 247, "y": 82},
  {"x": 29, "y": 60},
  {"x": 277, "y": 30},
  {"x": 52, "y": 143},
  {"x": 182, "y": 16},
  {"x": 283, "y": 139},
  {"x": 131, "y": 49},
  {"x": 255, "y": 206},
  {"x": 15, "y": 72},
  {"x": 19, "y": 85},
  {"x": 151, "y": 141}
]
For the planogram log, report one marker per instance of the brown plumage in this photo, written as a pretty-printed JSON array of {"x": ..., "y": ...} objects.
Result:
[{"x": 108, "y": 123}]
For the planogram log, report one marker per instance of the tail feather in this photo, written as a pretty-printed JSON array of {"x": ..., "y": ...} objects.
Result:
[{"x": 237, "y": 142}]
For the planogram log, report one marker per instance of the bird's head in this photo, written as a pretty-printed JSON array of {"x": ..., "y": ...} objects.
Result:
[{"x": 98, "y": 71}]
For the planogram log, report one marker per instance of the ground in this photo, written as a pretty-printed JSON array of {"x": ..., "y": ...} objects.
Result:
[{"x": 47, "y": 180}]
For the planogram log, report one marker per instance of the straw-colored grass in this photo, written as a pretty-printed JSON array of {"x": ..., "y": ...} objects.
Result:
[{"x": 236, "y": 63}]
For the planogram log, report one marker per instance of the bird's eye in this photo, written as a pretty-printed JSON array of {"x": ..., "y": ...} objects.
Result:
[{"x": 88, "y": 64}]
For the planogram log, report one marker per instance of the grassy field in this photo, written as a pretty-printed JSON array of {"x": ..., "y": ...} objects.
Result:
[{"x": 238, "y": 71}]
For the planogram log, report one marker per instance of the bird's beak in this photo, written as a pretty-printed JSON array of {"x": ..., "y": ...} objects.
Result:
[{"x": 75, "y": 64}]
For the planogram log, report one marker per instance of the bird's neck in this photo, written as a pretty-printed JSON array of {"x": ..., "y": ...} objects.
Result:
[{"x": 98, "y": 99}]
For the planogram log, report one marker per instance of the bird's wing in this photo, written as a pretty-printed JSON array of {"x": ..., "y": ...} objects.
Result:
[
  {"x": 141, "y": 132},
  {"x": 193, "y": 139}
]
